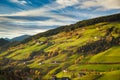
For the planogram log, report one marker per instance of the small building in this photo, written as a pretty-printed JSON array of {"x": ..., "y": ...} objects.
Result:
[
  {"x": 81, "y": 74},
  {"x": 95, "y": 37},
  {"x": 24, "y": 63},
  {"x": 65, "y": 70},
  {"x": 40, "y": 63},
  {"x": 54, "y": 77},
  {"x": 54, "y": 62},
  {"x": 83, "y": 29}
]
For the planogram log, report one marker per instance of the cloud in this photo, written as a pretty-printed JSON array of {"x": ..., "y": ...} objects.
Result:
[
  {"x": 87, "y": 4},
  {"x": 111, "y": 4},
  {"x": 43, "y": 12},
  {"x": 25, "y": 18},
  {"x": 23, "y": 2},
  {"x": 30, "y": 20},
  {"x": 66, "y": 3},
  {"x": 11, "y": 30},
  {"x": 100, "y": 4},
  {"x": 14, "y": 28},
  {"x": 19, "y": 32}
]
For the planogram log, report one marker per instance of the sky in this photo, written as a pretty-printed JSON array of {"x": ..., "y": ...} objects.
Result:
[{"x": 19, "y": 17}]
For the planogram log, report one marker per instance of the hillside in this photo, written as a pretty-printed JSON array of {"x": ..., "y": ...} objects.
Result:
[
  {"x": 3, "y": 42},
  {"x": 87, "y": 50}
]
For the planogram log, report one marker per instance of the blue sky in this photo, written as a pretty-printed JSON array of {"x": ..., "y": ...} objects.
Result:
[{"x": 19, "y": 17}]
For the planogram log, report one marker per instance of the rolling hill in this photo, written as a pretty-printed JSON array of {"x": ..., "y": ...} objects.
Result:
[{"x": 86, "y": 50}]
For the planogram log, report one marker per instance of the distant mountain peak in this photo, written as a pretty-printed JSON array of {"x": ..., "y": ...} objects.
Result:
[{"x": 20, "y": 38}]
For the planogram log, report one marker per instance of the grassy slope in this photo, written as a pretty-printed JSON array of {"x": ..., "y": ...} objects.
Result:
[
  {"x": 98, "y": 67},
  {"x": 110, "y": 55},
  {"x": 113, "y": 75},
  {"x": 68, "y": 41}
]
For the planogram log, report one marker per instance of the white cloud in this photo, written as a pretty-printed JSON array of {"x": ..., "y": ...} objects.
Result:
[
  {"x": 14, "y": 31},
  {"x": 45, "y": 11},
  {"x": 14, "y": 28},
  {"x": 88, "y": 4},
  {"x": 5, "y": 19},
  {"x": 101, "y": 4},
  {"x": 111, "y": 4},
  {"x": 50, "y": 22},
  {"x": 15, "y": 1},
  {"x": 59, "y": 4},
  {"x": 19, "y": 1},
  {"x": 66, "y": 3}
]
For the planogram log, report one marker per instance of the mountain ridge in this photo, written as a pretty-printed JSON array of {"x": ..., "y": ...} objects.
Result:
[
  {"x": 81, "y": 23},
  {"x": 20, "y": 38}
]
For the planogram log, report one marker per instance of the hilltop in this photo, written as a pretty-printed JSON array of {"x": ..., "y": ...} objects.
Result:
[{"x": 86, "y": 50}]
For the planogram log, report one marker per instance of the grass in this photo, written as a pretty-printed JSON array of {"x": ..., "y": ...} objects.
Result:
[
  {"x": 113, "y": 75},
  {"x": 26, "y": 52},
  {"x": 96, "y": 67},
  {"x": 110, "y": 55},
  {"x": 88, "y": 77}
]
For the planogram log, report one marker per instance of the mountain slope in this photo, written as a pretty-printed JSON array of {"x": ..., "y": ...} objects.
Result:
[
  {"x": 87, "y": 49},
  {"x": 3, "y": 42},
  {"x": 110, "y": 18},
  {"x": 110, "y": 55},
  {"x": 20, "y": 38}
]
